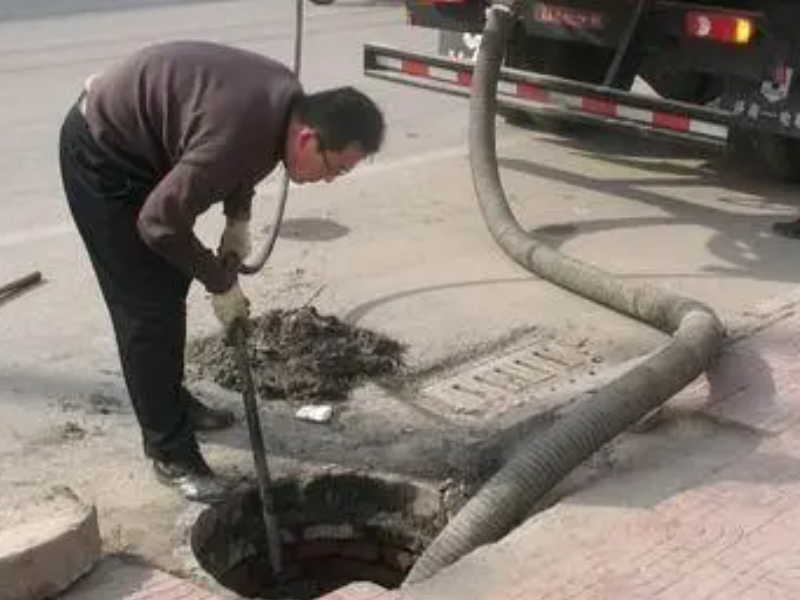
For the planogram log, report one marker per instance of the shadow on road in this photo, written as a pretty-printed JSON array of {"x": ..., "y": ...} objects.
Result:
[{"x": 744, "y": 240}]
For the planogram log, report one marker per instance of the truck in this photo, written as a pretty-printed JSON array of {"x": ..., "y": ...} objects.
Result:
[{"x": 723, "y": 71}]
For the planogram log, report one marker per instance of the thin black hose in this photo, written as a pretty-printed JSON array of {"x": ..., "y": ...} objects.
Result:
[{"x": 264, "y": 253}]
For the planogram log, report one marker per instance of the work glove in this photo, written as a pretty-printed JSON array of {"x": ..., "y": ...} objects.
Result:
[
  {"x": 231, "y": 306},
  {"x": 236, "y": 238},
  {"x": 218, "y": 273}
]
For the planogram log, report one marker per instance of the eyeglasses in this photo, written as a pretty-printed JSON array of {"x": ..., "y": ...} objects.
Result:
[{"x": 329, "y": 170}]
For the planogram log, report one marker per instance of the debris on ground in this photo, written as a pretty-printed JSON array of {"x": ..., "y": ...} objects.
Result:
[
  {"x": 316, "y": 413},
  {"x": 72, "y": 431},
  {"x": 299, "y": 354}
]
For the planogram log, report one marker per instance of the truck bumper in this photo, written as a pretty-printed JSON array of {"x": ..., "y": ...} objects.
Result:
[{"x": 540, "y": 94}]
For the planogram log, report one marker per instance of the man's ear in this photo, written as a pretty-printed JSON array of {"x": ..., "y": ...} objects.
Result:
[{"x": 305, "y": 136}]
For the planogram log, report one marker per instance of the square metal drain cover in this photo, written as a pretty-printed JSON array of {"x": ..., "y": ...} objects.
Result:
[{"x": 496, "y": 384}]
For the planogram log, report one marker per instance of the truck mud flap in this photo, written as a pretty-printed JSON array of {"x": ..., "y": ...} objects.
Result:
[{"x": 541, "y": 94}]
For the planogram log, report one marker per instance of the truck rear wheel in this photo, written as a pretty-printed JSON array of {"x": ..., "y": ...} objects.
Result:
[
  {"x": 777, "y": 155},
  {"x": 780, "y": 154}
]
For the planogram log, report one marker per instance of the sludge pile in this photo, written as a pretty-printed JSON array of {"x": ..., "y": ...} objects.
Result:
[{"x": 299, "y": 354}]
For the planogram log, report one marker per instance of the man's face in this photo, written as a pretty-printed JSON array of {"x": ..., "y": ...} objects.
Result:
[{"x": 308, "y": 162}]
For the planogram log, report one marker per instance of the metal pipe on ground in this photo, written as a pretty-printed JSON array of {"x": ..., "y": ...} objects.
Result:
[
  {"x": 20, "y": 284},
  {"x": 544, "y": 460}
]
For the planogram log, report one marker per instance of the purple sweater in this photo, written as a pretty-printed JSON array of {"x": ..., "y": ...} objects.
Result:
[{"x": 207, "y": 123}]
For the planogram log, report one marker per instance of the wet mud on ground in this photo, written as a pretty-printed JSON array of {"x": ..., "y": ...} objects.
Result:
[{"x": 300, "y": 355}]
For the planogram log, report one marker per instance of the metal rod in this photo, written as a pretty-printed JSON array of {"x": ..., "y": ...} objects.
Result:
[
  {"x": 239, "y": 335},
  {"x": 624, "y": 43},
  {"x": 20, "y": 284}
]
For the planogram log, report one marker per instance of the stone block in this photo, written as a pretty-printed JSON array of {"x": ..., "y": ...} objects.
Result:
[{"x": 46, "y": 544}]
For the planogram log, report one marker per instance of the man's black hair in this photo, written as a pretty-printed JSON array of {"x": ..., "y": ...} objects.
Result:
[{"x": 342, "y": 116}]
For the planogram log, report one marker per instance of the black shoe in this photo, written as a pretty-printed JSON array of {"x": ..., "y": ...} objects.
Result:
[
  {"x": 789, "y": 229},
  {"x": 192, "y": 476},
  {"x": 205, "y": 418}
]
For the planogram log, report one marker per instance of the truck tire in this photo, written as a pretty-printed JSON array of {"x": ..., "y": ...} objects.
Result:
[{"x": 779, "y": 153}]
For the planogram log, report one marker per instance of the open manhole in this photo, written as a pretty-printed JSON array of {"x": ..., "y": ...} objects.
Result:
[{"x": 336, "y": 528}]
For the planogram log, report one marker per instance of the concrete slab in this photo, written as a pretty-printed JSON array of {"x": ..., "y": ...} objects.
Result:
[{"x": 47, "y": 543}]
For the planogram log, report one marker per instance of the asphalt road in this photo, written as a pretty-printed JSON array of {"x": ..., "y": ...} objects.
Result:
[{"x": 44, "y": 61}]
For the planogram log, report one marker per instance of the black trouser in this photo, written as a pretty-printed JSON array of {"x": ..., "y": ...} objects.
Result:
[{"x": 145, "y": 295}]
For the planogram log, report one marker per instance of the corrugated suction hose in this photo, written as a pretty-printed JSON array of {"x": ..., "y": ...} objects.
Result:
[{"x": 548, "y": 457}]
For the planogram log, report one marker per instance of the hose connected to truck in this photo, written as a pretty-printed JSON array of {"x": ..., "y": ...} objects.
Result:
[
  {"x": 548, "y": 457},
  {"x": 265, "y": 251}
]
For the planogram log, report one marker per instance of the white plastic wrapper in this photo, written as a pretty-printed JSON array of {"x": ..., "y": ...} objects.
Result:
[{"x": 316, "y": 413}]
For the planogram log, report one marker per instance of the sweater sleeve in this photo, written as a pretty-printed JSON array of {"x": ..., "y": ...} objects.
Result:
[
  {"x": 238, "y": 204},
  {"x": 166, "y": 223}
]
